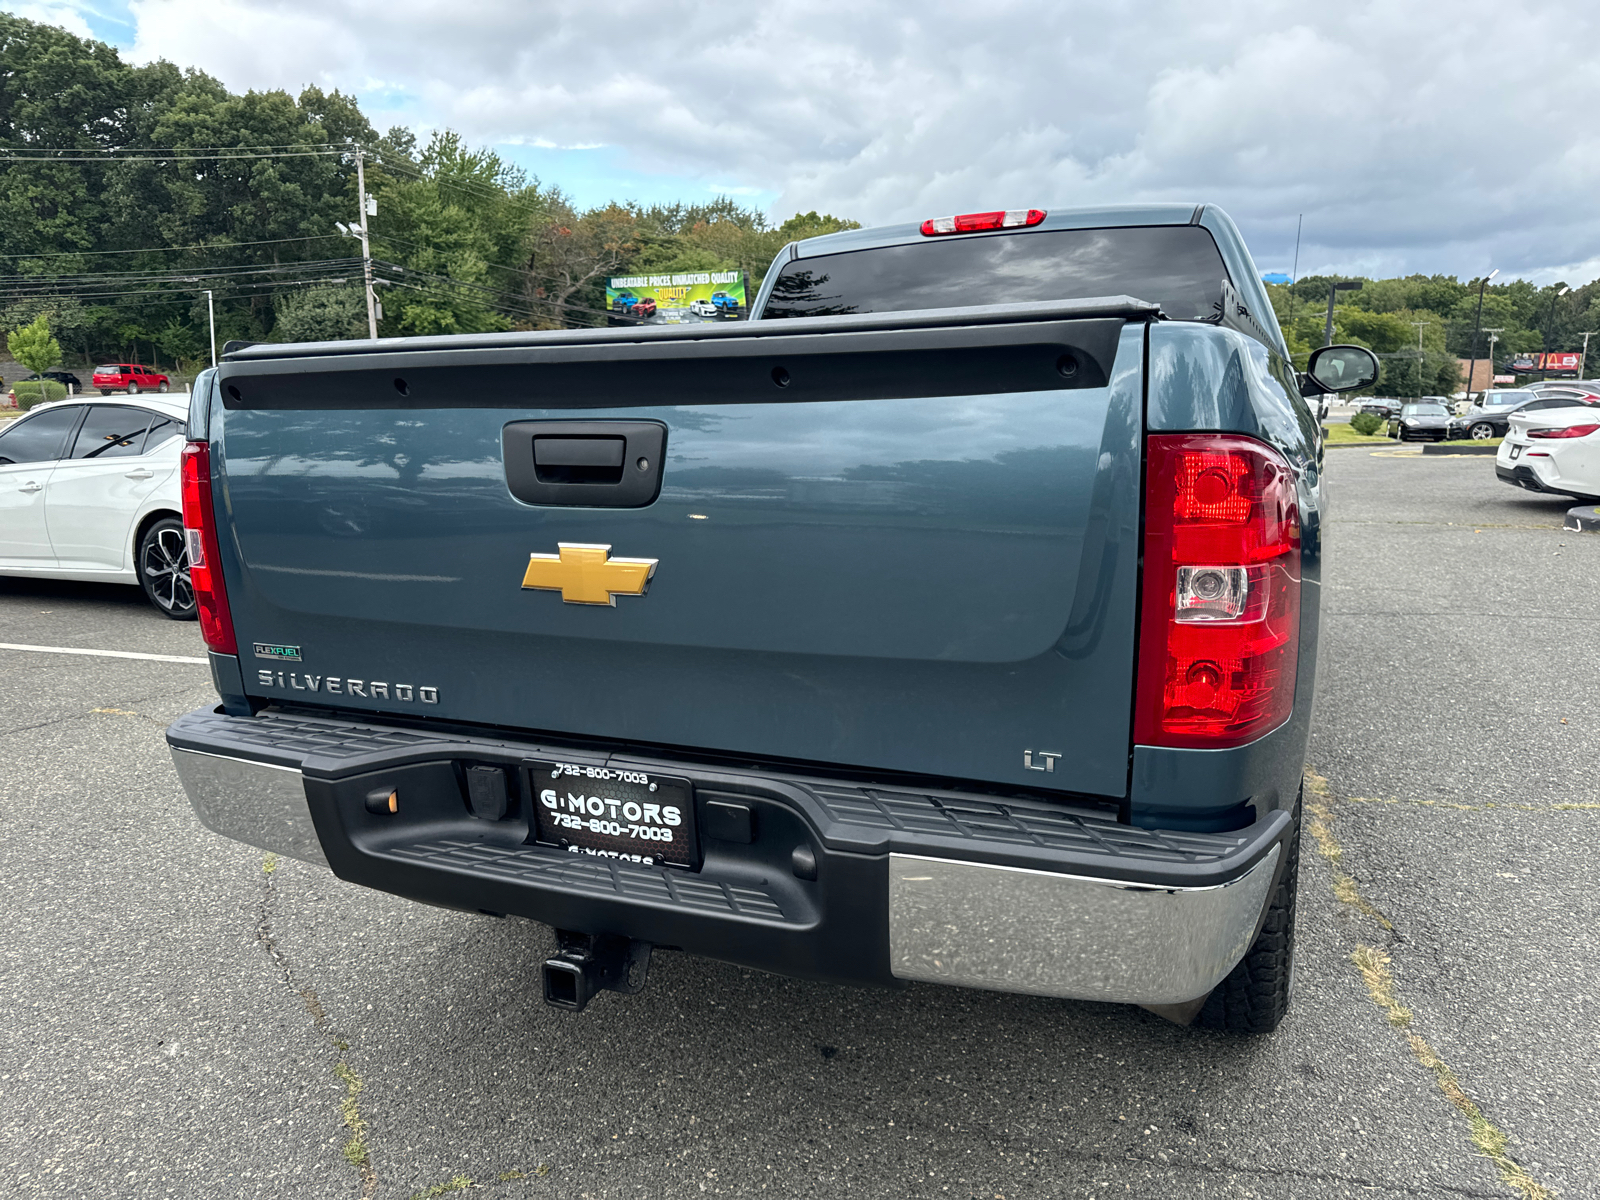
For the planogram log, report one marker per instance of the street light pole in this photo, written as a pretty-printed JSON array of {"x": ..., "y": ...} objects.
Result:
[
  {"x": 366, "y": 246},
  {"x": 1544, "y": 362},
  {"x": 1477, "y": 323},
  {"x": 1583, "y": 359},
  {"x": 211, "y": 314}
]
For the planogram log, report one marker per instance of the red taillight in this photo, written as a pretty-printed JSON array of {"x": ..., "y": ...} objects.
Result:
[
  {"x": 1013, "y": 218},
  {"x": 205, "y": 564},
  {"x": 1219, "y": 628},
  {"x": 1571, "y": 431}
]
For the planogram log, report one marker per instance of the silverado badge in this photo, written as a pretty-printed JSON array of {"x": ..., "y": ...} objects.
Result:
[{"x": 583, "y": 574}]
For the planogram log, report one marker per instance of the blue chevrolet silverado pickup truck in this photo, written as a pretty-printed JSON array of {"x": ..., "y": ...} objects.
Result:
[{"x": 882, "y": 637}]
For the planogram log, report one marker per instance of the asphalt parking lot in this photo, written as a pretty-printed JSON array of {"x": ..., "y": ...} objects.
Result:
[{"x": 187, "y": 1017}]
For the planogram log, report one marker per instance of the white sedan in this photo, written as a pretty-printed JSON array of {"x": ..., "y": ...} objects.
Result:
[
  {"x": 702, "y": 308},
  {"x": 92, "y": 491},
  {"x": 1556, "y": 450}
]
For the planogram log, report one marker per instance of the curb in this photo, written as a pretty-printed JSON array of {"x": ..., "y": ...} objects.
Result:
[
  {"x": 1583, "y": 519},
  {"x": 1357, "y": 445},
  {"x": 1438, "y": 448}
]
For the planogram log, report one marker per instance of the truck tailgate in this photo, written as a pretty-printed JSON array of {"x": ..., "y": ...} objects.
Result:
[{"x": 919, "y": 553}]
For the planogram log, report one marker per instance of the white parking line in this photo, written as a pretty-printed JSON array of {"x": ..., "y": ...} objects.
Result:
[{"x": 177, "y": 658}]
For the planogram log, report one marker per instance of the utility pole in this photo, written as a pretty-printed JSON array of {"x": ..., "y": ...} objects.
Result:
[
  {"x": 1477, "y": 323},
  {"x": 1295, "y": 274},
  {"x": 1349, "y": 285},
  {"x": 1494, "y": 336},
  {"x": 1583, "y": 359},
  {"x": 366, "y": 204},
  {"x": 1420, "y": 326},
  {"x": 211, "y": 313}
]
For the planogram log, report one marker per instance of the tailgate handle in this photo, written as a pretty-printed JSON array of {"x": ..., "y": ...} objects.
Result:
[
  {"x": 589, "y": 464},
  {"x": 578, "y": 459}
]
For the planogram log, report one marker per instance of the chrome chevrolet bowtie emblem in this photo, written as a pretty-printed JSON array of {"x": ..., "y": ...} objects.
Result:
[{"x": 584, "y": 574}]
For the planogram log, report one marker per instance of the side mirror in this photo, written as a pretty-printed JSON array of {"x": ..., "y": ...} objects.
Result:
[{"x": 1339, "y": 369}]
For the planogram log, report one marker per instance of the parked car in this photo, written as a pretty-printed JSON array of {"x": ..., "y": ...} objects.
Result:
[
  {"x": 130, "y": 378},
  {"x": 1553, "y": 450},
  {"x": 1480, "y": 424},
  {"x": 1380, "y": 407},
  {"x": 1566, "y": 391},
  {"x": 66, "y": 377},
  {"x": 702, "y": 308},
  {"x": 91, "y": 491},
  {"x": 1071, "y": 768},
  {"x": 1421, "y": 423}
]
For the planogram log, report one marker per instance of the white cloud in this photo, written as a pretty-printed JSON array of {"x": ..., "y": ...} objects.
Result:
[
  {"x": 68, "y": 16},
  {"x": 1413, "y": 134}
]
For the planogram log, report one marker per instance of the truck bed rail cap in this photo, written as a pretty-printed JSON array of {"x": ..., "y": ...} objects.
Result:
[{"x": 1126, "y": 307}]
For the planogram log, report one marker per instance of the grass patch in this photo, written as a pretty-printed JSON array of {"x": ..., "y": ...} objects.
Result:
[
  {"x": 1495, "y": 442},
  {"x": 1320, "y": 824},
  {"x": 457, "y": 1183},
  {"x": 1344, "y": 435},
  {"x": 355, "y": 1150},
  {"x": 1372, "y": 964},
  {"x": 1374, "y": 967}
]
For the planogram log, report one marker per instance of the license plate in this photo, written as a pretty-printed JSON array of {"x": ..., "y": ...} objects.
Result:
[
  {"x": 613, "y": 813},
  {"x": 1516, "y": 450}
]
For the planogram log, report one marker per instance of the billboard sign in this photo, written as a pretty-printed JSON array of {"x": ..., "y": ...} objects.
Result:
[
  {"x": 1559, "y": 360},
  {"x": 679, "y": 298}
]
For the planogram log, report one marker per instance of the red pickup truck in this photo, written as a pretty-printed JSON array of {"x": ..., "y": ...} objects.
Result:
[{"x": 130, "y": 378}]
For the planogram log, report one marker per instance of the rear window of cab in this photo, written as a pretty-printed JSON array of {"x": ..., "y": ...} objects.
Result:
[{"x": 1176, "y": 266}]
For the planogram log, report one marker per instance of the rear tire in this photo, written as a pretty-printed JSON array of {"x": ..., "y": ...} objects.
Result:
[
  {"x": 1481, "y": 432},
  {"x": 163, "y": 388},
  {"x": 1255, "y": 995},
  {"x": 163, "y": 565},
  {"x": 133, "y": 389}
]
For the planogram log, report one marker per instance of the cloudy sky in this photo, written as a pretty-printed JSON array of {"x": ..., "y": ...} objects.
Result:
[{"x": 1413, "y": 135}]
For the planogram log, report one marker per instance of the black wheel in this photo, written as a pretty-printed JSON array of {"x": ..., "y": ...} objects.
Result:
[
  {"x": 1481, "y": 431},
  {"x": 164, "y": 570},
  {"x": 1255, "y": 995}
]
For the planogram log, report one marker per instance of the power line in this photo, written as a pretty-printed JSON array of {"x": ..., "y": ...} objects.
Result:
[
  {"x": 39, "y": 282},
  {"x": 10, "y": 156},
  {"x": 45, "y": 283},
  {"x": 316, "y": 237}
]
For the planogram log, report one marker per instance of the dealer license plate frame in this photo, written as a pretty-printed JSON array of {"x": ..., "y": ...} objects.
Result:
[{"x": 592, "y": 804}]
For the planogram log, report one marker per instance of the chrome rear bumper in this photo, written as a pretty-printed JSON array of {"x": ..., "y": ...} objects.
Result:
[
  {"x": 256, "y": 803},
  {"x": 1009, "y": 929},
  {"x": 895, "y": 889}
]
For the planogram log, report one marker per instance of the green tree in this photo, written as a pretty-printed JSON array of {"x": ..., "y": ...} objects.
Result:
[
  {"x": 327, "y": 314},
  {"x": 33, "y": 345},
  {"x": 454, "y": 230}
]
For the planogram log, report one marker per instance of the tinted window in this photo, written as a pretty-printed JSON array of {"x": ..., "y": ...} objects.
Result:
[
  {"x": 1424, "y": 410},
  {"x": 111, "y": 431},
  {"x": 162, "y": 430},
  {"x": 1177, "y": 267},
  {"x": 38, "y": 438}
]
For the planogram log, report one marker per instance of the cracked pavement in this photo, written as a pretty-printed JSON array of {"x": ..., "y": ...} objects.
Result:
[{"x": 161, "y": 1040}]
